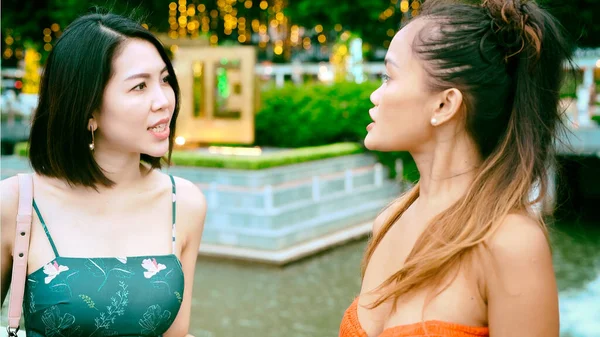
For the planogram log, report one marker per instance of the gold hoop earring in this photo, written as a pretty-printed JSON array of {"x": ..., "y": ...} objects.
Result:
[{"x": 91, "y": 145}]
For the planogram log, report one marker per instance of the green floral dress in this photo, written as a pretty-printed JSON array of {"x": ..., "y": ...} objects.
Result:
[{"x": 120, "y": 296}]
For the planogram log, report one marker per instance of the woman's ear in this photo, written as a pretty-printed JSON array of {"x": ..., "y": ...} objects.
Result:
[{"x": 447, "y": 106}]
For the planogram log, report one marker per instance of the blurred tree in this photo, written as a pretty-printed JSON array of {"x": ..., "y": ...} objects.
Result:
[
  {"x": 370, "y": 19},
  {"x": 365, "y": 17},
  {"x": 29, "y": 18},
  {"x": 23, "y": 22},
  {"x": 580, "y": 18}
]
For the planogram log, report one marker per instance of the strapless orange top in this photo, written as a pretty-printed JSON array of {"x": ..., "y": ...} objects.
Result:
[{"x": 350, "y": 327}]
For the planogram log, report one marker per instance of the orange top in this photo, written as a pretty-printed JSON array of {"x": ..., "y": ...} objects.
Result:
[{"x": 350, "y": 327}]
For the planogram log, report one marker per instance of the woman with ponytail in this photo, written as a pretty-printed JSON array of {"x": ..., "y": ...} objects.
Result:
[{"x": 471, "y": 91}]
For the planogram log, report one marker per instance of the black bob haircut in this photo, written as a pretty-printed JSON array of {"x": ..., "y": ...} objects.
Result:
[{"x": 71, "y": 89}]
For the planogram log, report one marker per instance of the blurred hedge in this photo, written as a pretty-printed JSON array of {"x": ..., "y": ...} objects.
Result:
[
  {"x": 318, "y": 114},
  {"x": 313, "y": 114},
  {"x": 22, "y": 149},
  {"x": 282, "y": 158}
]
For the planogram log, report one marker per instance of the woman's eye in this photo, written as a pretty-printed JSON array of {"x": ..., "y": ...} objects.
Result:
[
  {"x": 385, "y": 78},
  {"x": 140, "y": 86}
]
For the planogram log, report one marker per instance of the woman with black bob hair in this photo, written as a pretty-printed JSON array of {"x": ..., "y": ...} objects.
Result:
[{"x": 112, "y": 250}]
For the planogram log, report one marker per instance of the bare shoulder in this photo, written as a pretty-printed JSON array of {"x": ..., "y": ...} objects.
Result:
[
  {"x": 520, "y": 239},
  {"x": 9, "y": 189},
  {"x": 9, "y": 200},
  {"x": 189, "y": 195},
  {"x": 521, "y": 257},
  {"x": 386, "y": 214},
  {"x": 9, "y": 194},
  {"x": 191, "y": 204},
  {"x": 520, "y": 284}
]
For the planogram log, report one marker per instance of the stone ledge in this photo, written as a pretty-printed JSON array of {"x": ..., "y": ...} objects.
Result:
[{"x": 291, "y": 254}]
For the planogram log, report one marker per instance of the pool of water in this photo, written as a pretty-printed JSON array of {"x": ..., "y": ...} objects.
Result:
[{"x": 308, "y": 298}]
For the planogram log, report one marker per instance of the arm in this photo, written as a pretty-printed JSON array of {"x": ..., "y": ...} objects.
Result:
[
  {"x": 520, "y": 283},
  {"x": 9, "y": 197},
  {"x": 191, "y": 212}
]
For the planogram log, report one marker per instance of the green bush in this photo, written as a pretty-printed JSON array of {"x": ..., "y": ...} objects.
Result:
[
  {"x": 313, "y": 114},
  {"x": 281, "y": 158},
  {"x": 596, "y": 119},
  {"x": 318, "y": 114},
  {"x": 22, "y": 149},
  {"x": 569, "y": 86}
]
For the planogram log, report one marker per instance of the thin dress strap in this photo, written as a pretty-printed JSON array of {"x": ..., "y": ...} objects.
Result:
[
  {"x": 39, "y": 215},
  {"x": 174, "y": 212}
]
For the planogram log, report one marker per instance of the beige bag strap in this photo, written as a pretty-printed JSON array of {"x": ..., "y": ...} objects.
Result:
[{"x": 20, "y": 252}]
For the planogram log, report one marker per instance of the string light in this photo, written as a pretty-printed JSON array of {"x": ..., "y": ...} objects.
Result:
[
  {"x": 182, "y": 21},
  {"x": 278, "y": 50},
  {"x": 345, "y": 36},
  {"x": 173, "y": 22},
  {"x": 191, "y": 11},
  {"x": 404, "y": 6},
  {"x": 294, "y": 35},
  {"x": 188, "y": 18}
]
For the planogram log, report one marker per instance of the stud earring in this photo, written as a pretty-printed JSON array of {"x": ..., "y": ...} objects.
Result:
[
  {"x": 91, "y": 145},
  {"x": 433, "y": 121}
]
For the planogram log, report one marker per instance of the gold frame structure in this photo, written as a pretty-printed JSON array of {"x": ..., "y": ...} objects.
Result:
[{"x": 200, "y": 125}]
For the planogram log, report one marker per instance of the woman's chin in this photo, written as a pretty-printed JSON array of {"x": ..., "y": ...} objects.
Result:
[
  {"x": 382, "y": 145},
  {"x": 371, "y": 143},
  {"x": 158, "y": 152}
]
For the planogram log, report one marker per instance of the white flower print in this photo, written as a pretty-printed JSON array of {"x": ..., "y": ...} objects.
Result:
[
  {"x": 152, "y": 267},
  {"x": 122, "y": 259},
  {"x": 52, "y": 269}
]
